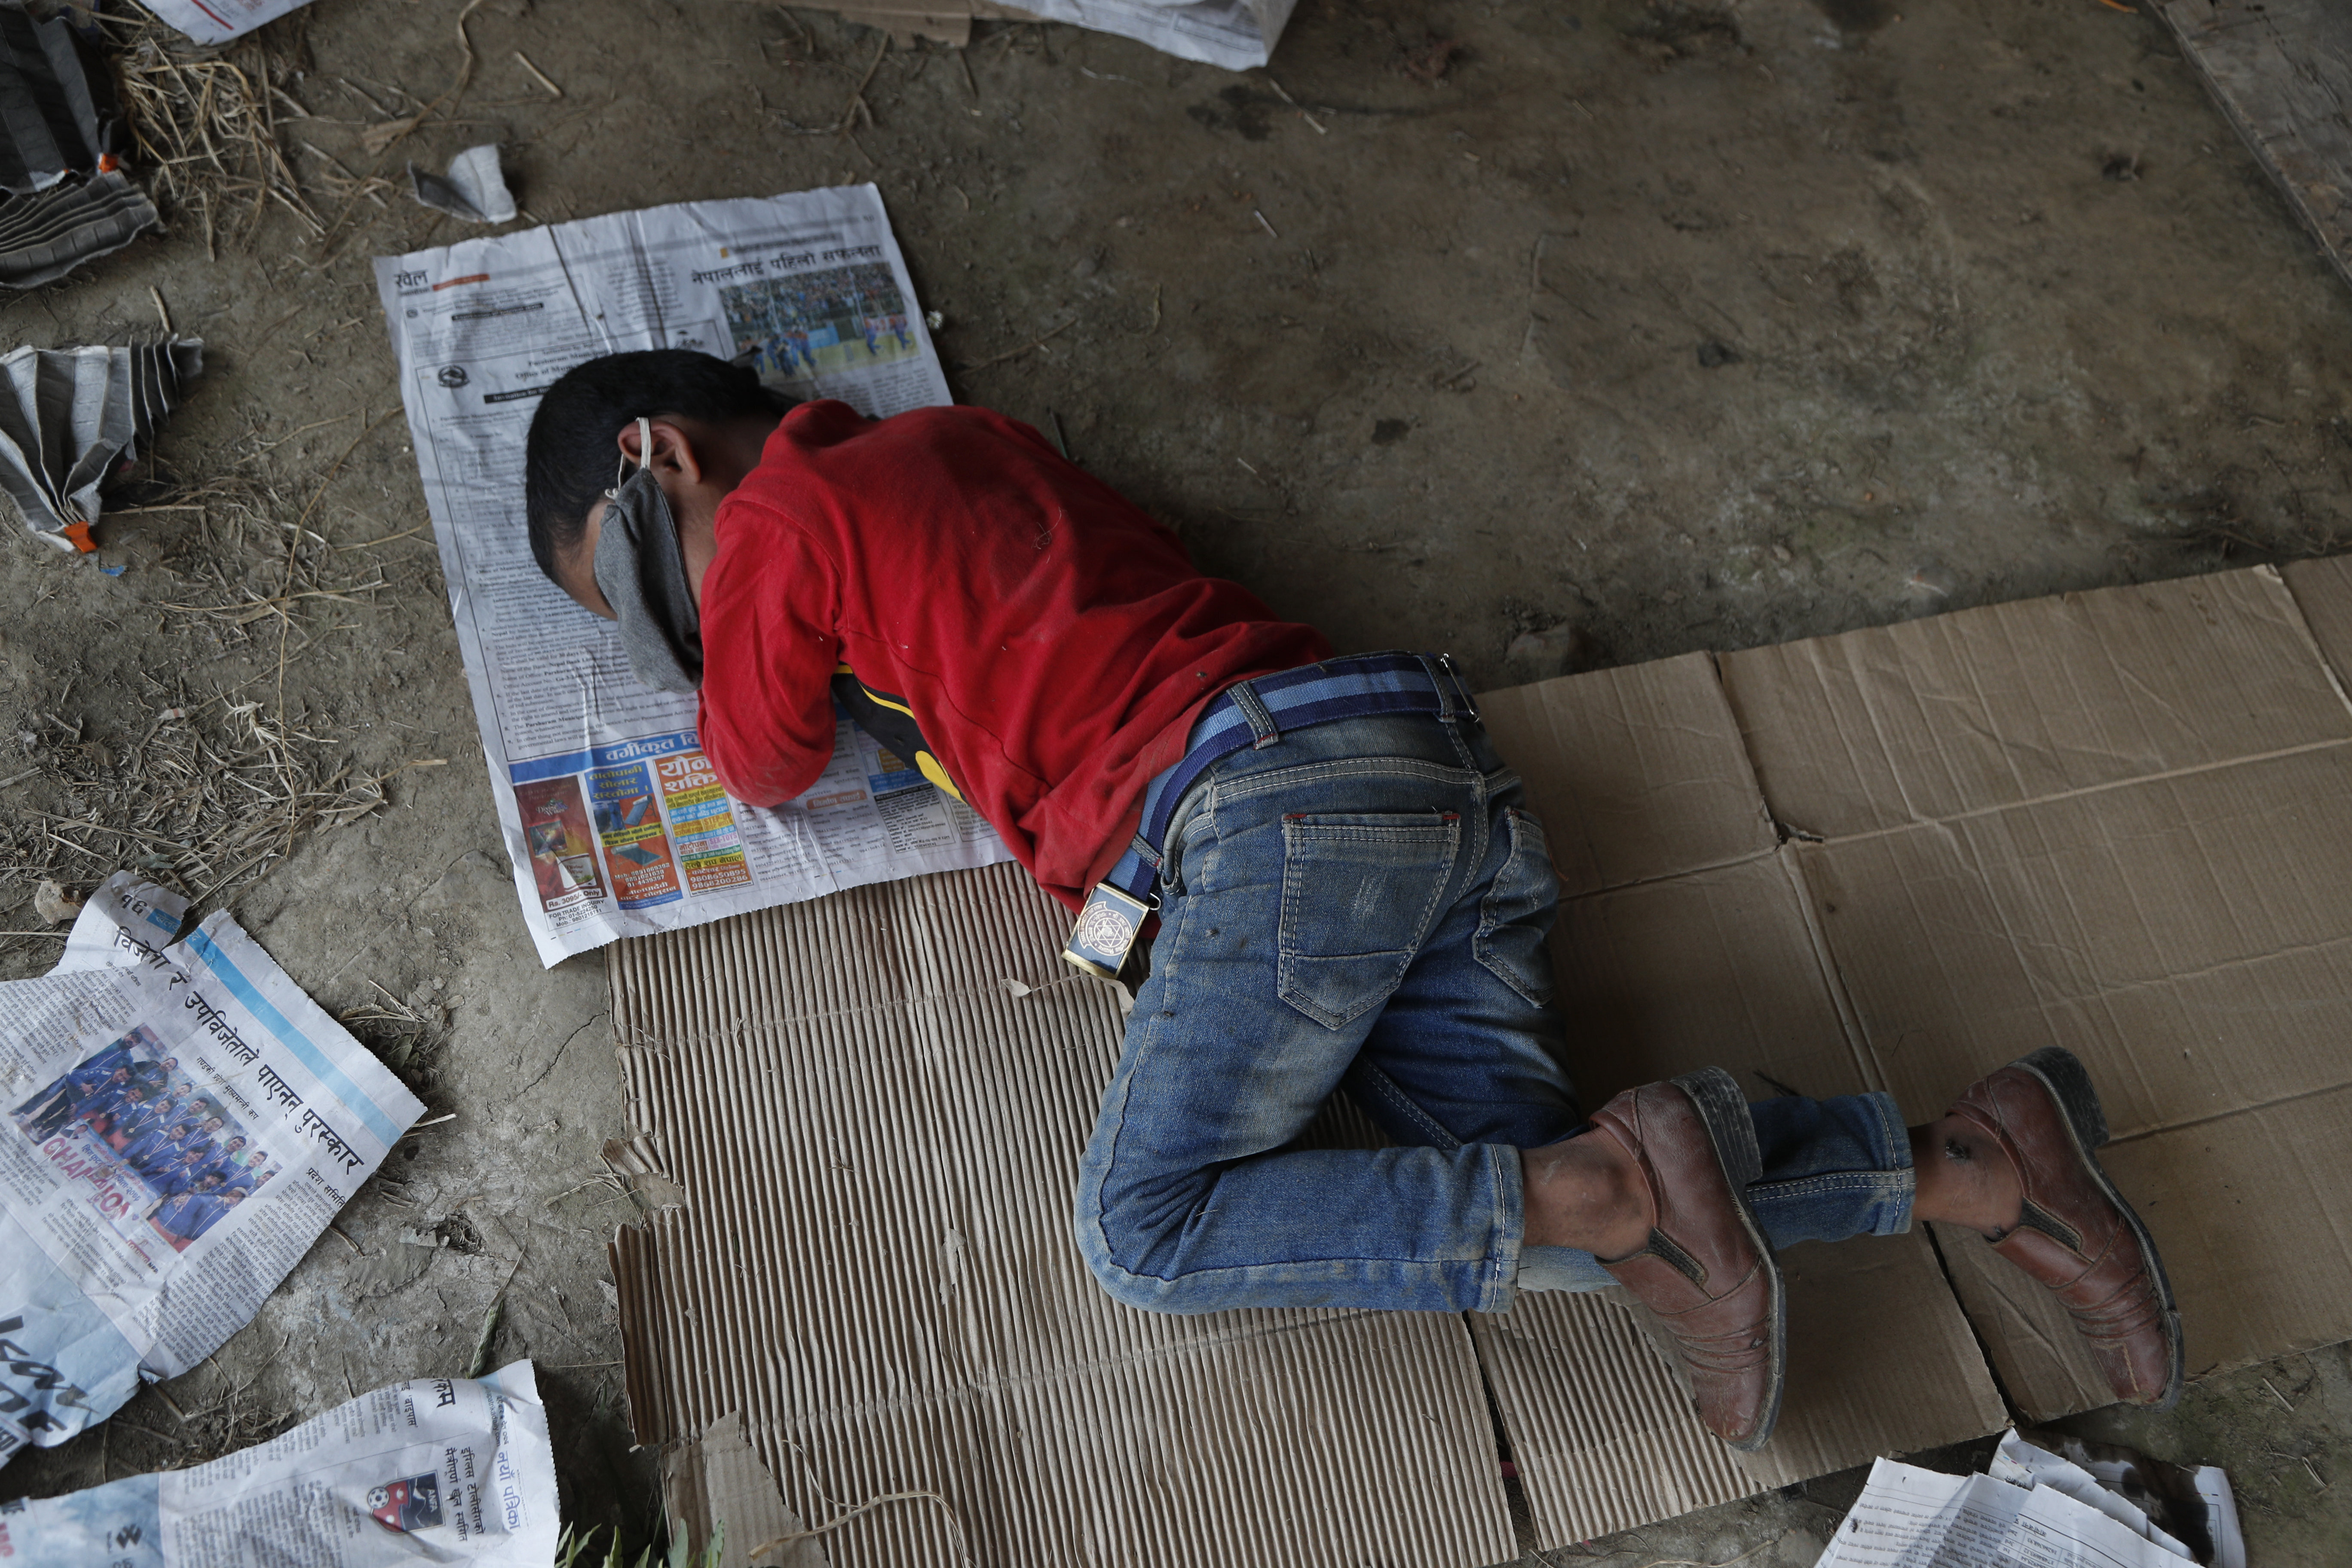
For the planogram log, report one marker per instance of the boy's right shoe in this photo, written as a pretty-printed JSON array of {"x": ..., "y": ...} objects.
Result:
[
  {"x": 1708, "y": 1271},
  {"x": 2077, "y": 1236}
]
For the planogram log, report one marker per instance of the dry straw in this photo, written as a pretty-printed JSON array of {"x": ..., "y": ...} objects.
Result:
[
  {"x": 220, "y": 786},
  {"x": 204, "y": 125},
  {"x": 208, "y": 798}
]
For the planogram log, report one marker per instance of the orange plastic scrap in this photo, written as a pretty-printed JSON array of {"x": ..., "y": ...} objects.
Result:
[
  {"x": 2119, "y": 5},
  {"x": 79, "y": 533}
]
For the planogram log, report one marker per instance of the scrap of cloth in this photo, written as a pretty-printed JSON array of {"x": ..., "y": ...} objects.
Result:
[
  {"x": 642, "y": 574},
  {"x": 69, "y": 418},
  {"x": 49, "y": 120},
  {"x": 61, "y": 199},
  {"x": 1051, "y": 641}
]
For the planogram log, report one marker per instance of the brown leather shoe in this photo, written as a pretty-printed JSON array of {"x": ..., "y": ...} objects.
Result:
[
  {"x": 1707, "y": 1270},
  {"x": 2077, "y": 1235}
]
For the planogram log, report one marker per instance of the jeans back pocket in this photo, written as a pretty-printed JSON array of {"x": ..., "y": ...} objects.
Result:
[
  {"x": 1517, "y": 916},
  {"x": 1359, "y": 893}
]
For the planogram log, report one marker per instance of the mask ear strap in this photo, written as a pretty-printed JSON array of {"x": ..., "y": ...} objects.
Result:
[{"x": 644, "y": 448}]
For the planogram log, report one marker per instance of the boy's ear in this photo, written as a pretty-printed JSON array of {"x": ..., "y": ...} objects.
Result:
[
  {"x": 673, "y": 448},
  {"x": 674, "y": 445}
]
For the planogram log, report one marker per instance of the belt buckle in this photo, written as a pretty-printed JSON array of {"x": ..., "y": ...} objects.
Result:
[
  {"x": 1461, "y": 687},
  {"x": 1107, "y": 926}
]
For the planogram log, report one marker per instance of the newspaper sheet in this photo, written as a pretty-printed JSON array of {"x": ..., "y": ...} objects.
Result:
[
  {"x": 218, "y": 21},
  {"x": 1911, "y": 1517},
  {"x": 1238, "y": 35},
  {"x": 177, "y": 1125},
  {"x": 613, "y": 818},
  {"x": 2021, "y": 1463},
  {"x": 435, "y": 1471},
  {"x": 1234, "y": 34}
]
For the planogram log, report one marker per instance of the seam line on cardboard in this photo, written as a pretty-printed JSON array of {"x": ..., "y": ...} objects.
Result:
[
  {"x": 2083, "y": 792},
  {"x": 1682, "y": 874},
  {"x": 2161, "y": 1128},
  {"x": 2311, "y": 637},
  {"x": 1849, "y": 1017}
]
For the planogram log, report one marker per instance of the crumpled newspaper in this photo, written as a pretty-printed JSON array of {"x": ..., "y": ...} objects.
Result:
[
  {"x": 475, "y": 188},
  {"x": 67, "y": 415}
]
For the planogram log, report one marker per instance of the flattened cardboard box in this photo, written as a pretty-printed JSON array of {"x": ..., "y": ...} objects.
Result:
[{"x": 2117, "y": 821}]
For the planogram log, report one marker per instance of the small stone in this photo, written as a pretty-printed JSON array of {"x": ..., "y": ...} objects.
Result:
[
  {"x": 54, "y": 904},
  {"x": 1541, "y": 655}
]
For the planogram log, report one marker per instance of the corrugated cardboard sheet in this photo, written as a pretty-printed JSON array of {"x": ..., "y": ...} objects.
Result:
[
  {"x": 2118, "y": 821},
  {"x": 875, "y": 1138}
]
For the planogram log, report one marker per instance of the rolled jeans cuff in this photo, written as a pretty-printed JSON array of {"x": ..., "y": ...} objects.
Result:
[{"x": 1832, "y": 1169}]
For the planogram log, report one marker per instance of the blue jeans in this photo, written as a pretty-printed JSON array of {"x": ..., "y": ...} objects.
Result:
[{"x": 1364, "y": 904}]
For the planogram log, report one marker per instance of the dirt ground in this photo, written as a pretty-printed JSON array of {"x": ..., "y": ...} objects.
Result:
[{"x": 1556, "y": 335}]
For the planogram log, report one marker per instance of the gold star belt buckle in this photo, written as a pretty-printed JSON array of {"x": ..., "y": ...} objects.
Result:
[{"x": 1106, "y": 933}]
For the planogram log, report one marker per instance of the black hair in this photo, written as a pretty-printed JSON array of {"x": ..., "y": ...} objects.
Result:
[{"x": 569, "y": 459}]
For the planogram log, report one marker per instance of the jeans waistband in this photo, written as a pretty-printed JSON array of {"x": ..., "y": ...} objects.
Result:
[{"x": 1254, "y": 713}]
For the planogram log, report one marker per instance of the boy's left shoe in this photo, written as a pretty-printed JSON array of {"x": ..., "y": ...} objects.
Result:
[
  {"x": 1708, "y": 1270},
  {"x": 2077, "y": 1236}
]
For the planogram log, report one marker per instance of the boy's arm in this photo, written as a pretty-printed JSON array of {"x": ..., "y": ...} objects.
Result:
[{"x": 769, "y": 655}]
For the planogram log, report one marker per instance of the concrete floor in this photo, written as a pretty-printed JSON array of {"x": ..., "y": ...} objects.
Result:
[{"x": 1641, "y": 328}]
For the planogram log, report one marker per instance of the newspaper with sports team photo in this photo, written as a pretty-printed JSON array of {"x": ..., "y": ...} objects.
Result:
[
  {"x": 614, "y": 820},
  {"x": 444, "y": 1469},
  {"x": 178, "y": 1123}
]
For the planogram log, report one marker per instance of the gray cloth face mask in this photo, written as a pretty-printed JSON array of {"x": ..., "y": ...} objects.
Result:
[{"x": 641, "y": 572}]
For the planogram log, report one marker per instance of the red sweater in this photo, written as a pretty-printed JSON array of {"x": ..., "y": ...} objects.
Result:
[{"x": 1053, "y": 642}]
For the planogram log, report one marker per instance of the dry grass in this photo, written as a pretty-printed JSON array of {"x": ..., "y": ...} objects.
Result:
[
  {"x": 227, "y": 1420},
  {"x": 221, "y": 783},
  {"x": 205, "y": 800},
  {"x": 404, "y": 1037},
  {"x": 206, "y": 125},
  {"x": 217, "y": 786},
  {"x": 218, "y": 783}
]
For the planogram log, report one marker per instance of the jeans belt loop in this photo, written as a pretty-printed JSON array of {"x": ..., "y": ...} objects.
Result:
[
  {"x": 1449, "y": 705},
  {"x": 1461, "y": 690},
  {"x": 1253, "y": 708}
]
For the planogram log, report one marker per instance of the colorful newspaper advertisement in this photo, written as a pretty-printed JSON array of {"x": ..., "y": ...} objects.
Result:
[
  {"x": 615, "y": 824},
  {"x": 178, "y": 1123},
  {"x": 442, "y": 1469}
]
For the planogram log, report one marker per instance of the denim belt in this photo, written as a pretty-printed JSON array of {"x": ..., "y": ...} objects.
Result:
[{"x": 1252, "y": 713}]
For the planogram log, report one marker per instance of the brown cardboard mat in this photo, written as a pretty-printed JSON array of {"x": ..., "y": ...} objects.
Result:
[
  {"x": 1686, "y": 940},
  {"x": 876, "y": 1138},
  {"x": 2119, "y": 821}
]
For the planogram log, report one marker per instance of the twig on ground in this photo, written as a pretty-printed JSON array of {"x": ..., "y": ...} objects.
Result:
[
  {"x": 1024, "y": 347},
  {"x": 857, "y": 104},
  {"x": 1320, "y": 129},
  {"x": 537, "y": 75},
  {"x": 380, "y": 139}
]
